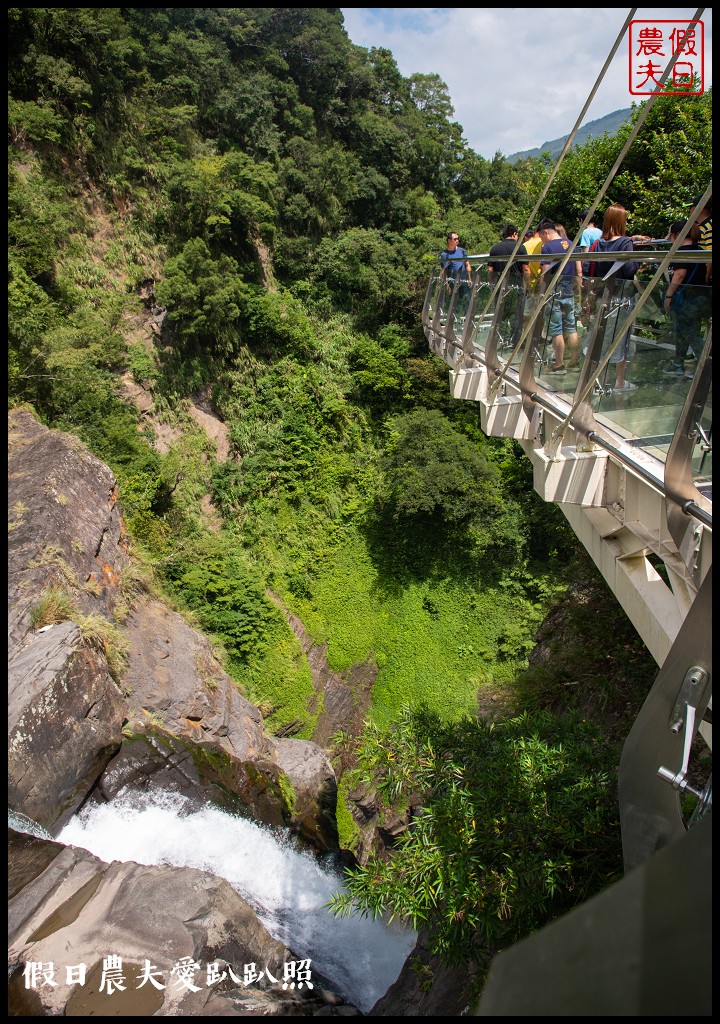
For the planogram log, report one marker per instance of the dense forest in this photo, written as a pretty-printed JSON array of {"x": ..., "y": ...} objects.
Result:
[{"x": 271, "y": 198}]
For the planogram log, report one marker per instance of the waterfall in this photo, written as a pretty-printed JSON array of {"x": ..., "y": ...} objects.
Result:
[
  {"x": 286, "y": 887},
  {"x": 21, "y": 823}
]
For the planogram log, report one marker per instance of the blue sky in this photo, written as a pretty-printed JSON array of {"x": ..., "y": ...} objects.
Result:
[{"x": 517, "y": 76}]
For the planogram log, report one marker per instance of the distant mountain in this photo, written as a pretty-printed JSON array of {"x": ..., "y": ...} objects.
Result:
[{"x": 593, "y": 129}]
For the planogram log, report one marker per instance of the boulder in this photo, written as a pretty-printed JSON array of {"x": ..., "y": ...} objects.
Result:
[
  {"x": 173, "y": 675},
  {"x": 75, "y": 910},
  {"x": 181, "y": 695},
  {"x": 155, "y": 761},
  {"x": 314, "y": 790},
  {"x": 65, "y": 717}
]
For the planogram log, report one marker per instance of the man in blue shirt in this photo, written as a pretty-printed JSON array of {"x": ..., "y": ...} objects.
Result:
[
  {"x": 455, "y": 266},
  {"x": 561, "y": 322},
  {"x": 589, "y": 234}
]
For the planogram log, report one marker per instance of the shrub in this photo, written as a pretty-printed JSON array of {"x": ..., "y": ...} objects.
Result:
[
  {"x": 53, "y": 607},
  {"x": 205, "y": 298},
  {"x": 56, "y": 606},
  {"x": 519, "y": 825}
]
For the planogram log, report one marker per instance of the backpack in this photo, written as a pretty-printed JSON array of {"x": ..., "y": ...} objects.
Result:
[{"x": 590, "y": 268}]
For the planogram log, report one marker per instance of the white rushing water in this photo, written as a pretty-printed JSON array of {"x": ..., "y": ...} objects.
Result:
[
  {"x": 287, "y": 888},
  {"x": 21, "y": 823}
]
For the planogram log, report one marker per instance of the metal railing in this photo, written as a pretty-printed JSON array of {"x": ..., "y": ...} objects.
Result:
[{"x": 610, "y": 347}]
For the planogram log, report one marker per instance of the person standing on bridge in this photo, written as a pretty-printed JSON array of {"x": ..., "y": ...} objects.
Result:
[
  {"x": 590, "y": 234},
  {"x": 561, "y": 322},
  {"x": 704, "y": 225},
  {"x": 533, "y": 247},
  {"x": 501, "y": 250},
  {"x": 685, "y": 302},
  {"x": 614, "y": 239},
  {"x": 518, "y": 275},
  {"x": 456, "y": 267}
]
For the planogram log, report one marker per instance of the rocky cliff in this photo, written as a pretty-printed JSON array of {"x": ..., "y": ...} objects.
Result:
[
  {"x": 110, "y": 688},
  {"x": 82, "y": 684}
]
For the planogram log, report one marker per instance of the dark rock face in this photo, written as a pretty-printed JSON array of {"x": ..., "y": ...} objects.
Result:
[
  {"x": 65, "y": 717},
  {"x": 27, "y": 859},
  {"x": 156, "y": 761},
  {"x": 426, "y": 988},
  {"x": 314, "y": 790},
  {"x": 63, "y": 519}
]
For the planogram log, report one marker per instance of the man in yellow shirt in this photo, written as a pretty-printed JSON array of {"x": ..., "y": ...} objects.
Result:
[{"x": 533, "y": 246}]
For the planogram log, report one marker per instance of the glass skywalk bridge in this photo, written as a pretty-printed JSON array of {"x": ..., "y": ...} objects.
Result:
[
  {"x": 646, "y": 414},
  {"x": 630, "y": 467}
]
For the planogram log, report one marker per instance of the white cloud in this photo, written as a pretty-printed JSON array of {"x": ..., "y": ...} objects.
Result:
[{"x": 517, "y": 76}]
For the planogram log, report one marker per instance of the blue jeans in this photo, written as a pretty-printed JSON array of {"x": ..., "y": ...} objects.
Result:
[
  {"x": 562, "y": 315},
  {"x": 463, "y": 299},
  {"x": 513, "y": 312}
]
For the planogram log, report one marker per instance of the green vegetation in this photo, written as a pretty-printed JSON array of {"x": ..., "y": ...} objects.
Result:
[
  {"x": 347, "y": 829},
  {"x": 239, "y": 201},
  {"x": 519, "y": 824},
  {"x": 57, "y": 605},
  {"x": 53, "y": 607}
]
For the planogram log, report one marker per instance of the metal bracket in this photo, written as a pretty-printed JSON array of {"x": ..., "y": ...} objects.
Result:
[
  {"x": 682, "y": 718},
  {"x": 697, "y": 544},
  {"x": 705, "y": 443}
]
